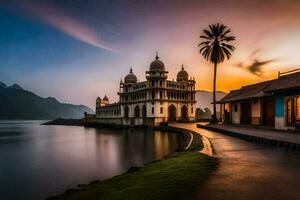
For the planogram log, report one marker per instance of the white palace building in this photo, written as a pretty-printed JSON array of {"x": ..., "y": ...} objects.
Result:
[{"x": 149, "y": 102}]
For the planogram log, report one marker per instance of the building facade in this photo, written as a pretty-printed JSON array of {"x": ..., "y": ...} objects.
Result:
[
  {"x": 274, "y": 103},
  {"x": 149, "y": 102}
]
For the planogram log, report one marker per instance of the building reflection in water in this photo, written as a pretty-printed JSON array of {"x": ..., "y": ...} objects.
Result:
[
  {"x": 53, "y": 158},
  {"x": 116, "y": 152}
]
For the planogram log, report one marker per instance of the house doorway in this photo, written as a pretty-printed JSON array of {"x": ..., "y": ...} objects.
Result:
[
  {"x": 246, "y": 112},
  {"x": 268, "y": 112}
]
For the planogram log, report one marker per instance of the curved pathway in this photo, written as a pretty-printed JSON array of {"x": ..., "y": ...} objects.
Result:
[{"x": 249, "y": 170}]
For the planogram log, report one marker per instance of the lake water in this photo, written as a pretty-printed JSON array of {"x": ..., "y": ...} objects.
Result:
[{"x": 39, "y": 161}]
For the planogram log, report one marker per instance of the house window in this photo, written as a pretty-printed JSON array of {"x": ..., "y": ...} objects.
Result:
[
  {"x": 160, "y": 83},
  {"x": 298, "y": 108},
  {"x": 161, "y": 110},
  {"x": 235, "y": 108},
  {"x": 160, "y": 94},
  {"x": 152, "y": 110},
  {"x": 289, "y": 112},
  {"x": 192, "y": 110},
  {"x": 153, "y": 94}
]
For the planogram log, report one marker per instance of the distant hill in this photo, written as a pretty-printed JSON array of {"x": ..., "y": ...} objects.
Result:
[
  {"x": 17, "y": 103},
  {"x": 205, "y": 98}
]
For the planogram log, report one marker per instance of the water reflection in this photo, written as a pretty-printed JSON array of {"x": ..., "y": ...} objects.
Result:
[{"x": 39, "y": 161}]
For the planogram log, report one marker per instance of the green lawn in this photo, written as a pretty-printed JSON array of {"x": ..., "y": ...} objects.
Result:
[{"x": 176, "y": 177}]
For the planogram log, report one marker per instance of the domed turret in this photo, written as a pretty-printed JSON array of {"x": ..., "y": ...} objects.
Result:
[
  {"x": 98, "y": 101},
  {"x": 105, "y": 98},
  {"x": 157, "y": 65},
  {"x": 182, "y": 75},
  {"x": 130, "y": 78}
]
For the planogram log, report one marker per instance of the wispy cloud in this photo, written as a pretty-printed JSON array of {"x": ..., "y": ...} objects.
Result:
[
  {"x": 256, "y": 66},
  {"x": 65, "y": 23},
  {"x": 256, "y": 53}
]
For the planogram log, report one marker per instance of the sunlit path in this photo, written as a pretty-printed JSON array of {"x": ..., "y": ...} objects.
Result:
[{"x": 249, "y": 171}]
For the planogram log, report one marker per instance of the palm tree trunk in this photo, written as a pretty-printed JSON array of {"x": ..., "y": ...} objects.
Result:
[{"x": 214, "y": 116}]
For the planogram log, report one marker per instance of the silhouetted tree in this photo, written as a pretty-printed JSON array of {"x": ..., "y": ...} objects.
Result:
[{"x": 215, "y": 47}]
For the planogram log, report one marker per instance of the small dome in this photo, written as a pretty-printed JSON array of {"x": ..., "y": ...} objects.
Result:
[
  {"x": 105, "y": 98},
  {"x": 182, "y": 75},
  {"x": 130, "y": 78},
  {"x": 98, "y": 100},
  {"x": 157, "y": 65}
]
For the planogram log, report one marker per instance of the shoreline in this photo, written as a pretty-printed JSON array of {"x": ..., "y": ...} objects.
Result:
[
  {"x": 82, "y": 122},
  {"x": 64, "y": 122},
  {"x": 183, "y": 143},
  {"x": 189, "y": 143}
]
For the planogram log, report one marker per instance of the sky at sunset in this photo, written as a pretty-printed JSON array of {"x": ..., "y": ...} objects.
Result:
[{"x": 76, "y": 50}]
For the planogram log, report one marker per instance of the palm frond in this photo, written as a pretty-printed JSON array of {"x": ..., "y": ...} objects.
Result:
[
  {"x": 227, "y": 52},
  {"x": 228, "y": 39},
  {"x": 203, "y": 43},
  {"x": 204, "y": 37},
  {"x": 209, "y": 34},
  {"x": 230, "y": 47},
  {"x": 203, "y": 48},
  {"x": 225, "y": 33},
  {"x": 215, "y": 46}
]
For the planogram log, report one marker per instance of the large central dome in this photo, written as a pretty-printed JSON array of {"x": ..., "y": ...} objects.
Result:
[
  {"x": 157, "y": 65},
  {"x": 131, "y": 77}
]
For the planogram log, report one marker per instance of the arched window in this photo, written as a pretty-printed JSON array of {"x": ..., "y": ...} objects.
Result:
[
  {"x": 144, "y": 111},
  {"x": 137, "y": 111},
  {"x": 153, "y": 94},
  {"x": 172, "y": 113},
  {"x": 184, "y": 112},
  {"x": 126, "y": 112}
]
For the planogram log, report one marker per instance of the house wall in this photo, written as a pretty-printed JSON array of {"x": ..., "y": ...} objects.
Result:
[
  {"x": 222, "y": 110},
  {"x": 225, "y": 108},
  {"x": 236, "y": 114},
  {"x": 279, "y": 112}
]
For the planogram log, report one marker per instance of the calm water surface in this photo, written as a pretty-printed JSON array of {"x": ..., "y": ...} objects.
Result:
[{"x": 39, "y": 161}]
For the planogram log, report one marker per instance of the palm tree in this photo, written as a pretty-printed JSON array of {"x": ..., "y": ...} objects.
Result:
[{"x": 215, "y": 47}]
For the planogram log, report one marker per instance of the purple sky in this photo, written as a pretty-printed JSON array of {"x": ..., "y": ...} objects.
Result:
[{"x": 76, "y": 50}]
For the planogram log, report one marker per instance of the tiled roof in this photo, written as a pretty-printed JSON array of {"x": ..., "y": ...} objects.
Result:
[
  {"x": 267, "y": 88},
  {"x": 247, "y": 92},
  {"x": 290, "y": 81}
]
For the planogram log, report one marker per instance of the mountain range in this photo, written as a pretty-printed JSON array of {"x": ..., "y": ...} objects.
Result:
[
  {"x": 17, "y": 103},
  {"x": 205, "y": 98}
]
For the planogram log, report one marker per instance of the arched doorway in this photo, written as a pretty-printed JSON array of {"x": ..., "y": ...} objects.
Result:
[
  {"x": 184, "y": 114},
  {"x": 172, "y": 113},
  {"x": 137, "y": 111},
  {"x": 144, "y": 111},
  {"x": 126, "y": 112}
]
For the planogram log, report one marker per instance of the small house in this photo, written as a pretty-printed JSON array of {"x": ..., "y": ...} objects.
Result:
[{"x": 274, "y": 103}]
